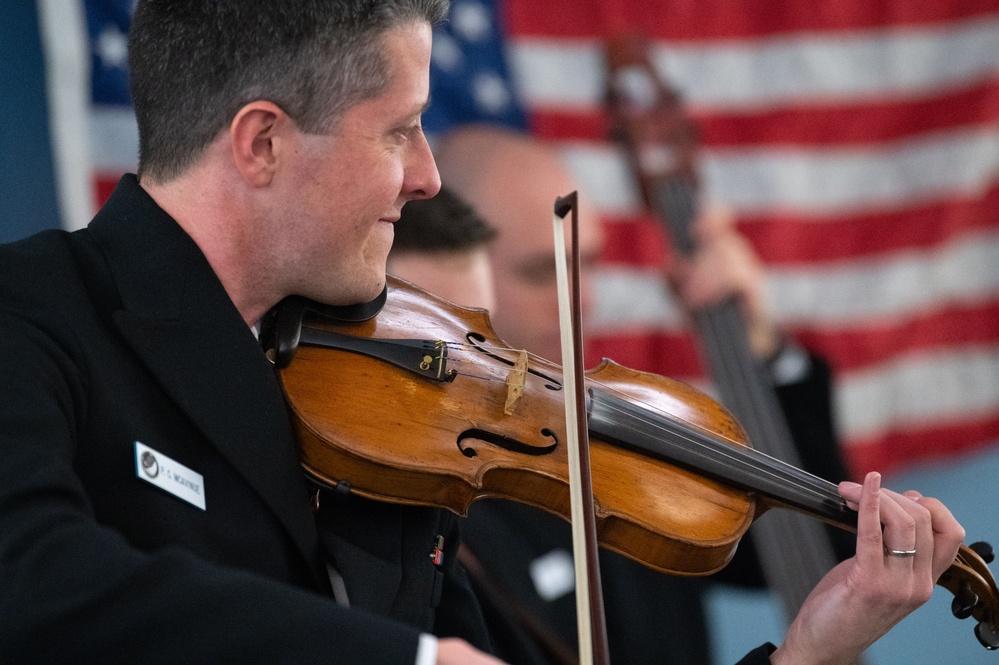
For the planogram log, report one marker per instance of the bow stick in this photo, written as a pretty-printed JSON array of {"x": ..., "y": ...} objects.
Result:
[{"x": 591, "y": 624}]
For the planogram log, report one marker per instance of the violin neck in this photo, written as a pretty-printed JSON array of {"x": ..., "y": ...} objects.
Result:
[{"x": 676, "y": 442}]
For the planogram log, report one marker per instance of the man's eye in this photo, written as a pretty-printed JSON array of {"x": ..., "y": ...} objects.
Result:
[
  {"x": 409, "y": 132},
  {"x": 538, "y": 274}
]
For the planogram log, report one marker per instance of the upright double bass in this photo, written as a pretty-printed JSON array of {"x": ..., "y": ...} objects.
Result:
[{"x": 661, "y": 146}]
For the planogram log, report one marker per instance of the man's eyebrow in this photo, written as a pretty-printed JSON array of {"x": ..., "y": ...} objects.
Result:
[{"x": 417, "y": 113}]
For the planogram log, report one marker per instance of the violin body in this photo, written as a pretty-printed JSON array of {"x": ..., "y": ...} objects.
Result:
[{"x": 391, "y": 434}]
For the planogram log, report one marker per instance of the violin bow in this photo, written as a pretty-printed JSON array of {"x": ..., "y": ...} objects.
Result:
[{"x": 591, "y": 623}]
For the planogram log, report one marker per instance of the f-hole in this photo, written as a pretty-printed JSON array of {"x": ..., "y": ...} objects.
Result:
[{"x": 506, "y": 442}]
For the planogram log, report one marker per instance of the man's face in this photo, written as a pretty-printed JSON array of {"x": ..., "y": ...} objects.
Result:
[{"x": 347, "y": 189}]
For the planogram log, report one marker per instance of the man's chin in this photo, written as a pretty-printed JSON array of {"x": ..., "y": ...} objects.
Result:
[{"x": 358, "y": 290}]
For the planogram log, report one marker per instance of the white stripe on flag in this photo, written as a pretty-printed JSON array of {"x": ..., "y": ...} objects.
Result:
[
  {"x": 963, "y": 271},
  {"x": 771, "y": 70},
  {"x": 846, "y": 295},
  {"x": 67, "y": 79},
  {"x": 819, "y": 182},
  {"x": 116, "y": 138},
  {"x": 947, "y": 385}
]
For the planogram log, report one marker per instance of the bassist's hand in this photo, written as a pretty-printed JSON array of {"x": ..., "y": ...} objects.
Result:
[{"x": 725, "y": 265}]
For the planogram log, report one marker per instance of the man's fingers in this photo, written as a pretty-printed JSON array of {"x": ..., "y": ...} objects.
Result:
[
  {"x": 868, "y": 501},
  {"x": 948, "y": 534},
  {"x": 905, "y": 522}
]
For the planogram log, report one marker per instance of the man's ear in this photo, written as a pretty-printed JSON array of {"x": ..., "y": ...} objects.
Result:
[{"x": 256, "y": 132}]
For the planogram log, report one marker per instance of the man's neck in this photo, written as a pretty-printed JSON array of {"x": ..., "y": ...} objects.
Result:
[{"x": 220, "y": 222}]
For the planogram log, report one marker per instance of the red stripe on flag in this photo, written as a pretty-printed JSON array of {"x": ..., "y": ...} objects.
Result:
[
  {"x": 896, "y": 449},
  {"x": 796, "y": 240},
  {"x": 104, "y": 184},
  {"x": 972, "y": 105},
  {"x": 865, "y": 343},
  {"x": 637, "y": 241},
  {"x": 680, "y": 20},
  {"x": 673, "y": 355},
  {"x": 858, "y": 347}
]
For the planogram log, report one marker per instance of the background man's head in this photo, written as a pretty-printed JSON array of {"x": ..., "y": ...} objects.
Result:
[
  {"x": 513, "y": 181},
  {"x": 442, "y": 245}
]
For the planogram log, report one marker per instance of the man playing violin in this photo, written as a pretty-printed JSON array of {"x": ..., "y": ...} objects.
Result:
[{"x": 151, "y": 503}]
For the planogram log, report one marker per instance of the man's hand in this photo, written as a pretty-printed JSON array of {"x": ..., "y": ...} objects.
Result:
[
  {"x": 452, "y": 651},
  {"x": 862, "y": 598},
  {"x": 723, "y": 266}
]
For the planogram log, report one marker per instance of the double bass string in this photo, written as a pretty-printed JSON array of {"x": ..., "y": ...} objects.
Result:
[{"x": 727, "y": 346}]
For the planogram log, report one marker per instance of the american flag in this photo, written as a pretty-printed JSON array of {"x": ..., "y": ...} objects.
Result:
[
  {"x": 858, "y": 143},
  {"x": 114, "y": 136}
]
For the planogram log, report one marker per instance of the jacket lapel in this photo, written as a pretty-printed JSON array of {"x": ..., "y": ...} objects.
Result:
[
  {"x": 369, "y": 560},
  {"x": 178, "y": 318}
]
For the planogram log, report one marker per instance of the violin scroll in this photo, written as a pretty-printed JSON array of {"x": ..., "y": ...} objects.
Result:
[
  {"x": 648, "y": 118},
  {"x": 975, "y": 592}
]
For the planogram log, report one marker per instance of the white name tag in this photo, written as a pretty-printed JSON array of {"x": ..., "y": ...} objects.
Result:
[{"x": 169, "y": 475}]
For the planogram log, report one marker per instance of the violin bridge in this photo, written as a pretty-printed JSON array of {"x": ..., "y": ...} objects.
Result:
[{"x": 515, "y": 382}]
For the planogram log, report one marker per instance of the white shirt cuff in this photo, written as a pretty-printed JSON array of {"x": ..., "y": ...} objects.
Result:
[{"x": 426, "y": 650}]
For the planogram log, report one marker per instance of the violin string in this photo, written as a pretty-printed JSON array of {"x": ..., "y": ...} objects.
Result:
[
  {"x": 749, "y": 403},
  {"x": 810, "y": 486},
  {"x": 721, "y": 445},
  {"x": 460, "y": 346}
]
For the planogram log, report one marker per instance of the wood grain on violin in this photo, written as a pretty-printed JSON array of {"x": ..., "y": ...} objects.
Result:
[{"x": 444, "y": 438}]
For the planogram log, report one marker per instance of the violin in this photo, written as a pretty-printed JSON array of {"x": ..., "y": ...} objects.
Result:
[{"x": 413, "y": 400}]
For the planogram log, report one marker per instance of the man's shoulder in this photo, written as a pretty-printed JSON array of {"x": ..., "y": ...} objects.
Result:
[
  {"x": 42, "y": 274},
  {"x": 35, "y": 261}
]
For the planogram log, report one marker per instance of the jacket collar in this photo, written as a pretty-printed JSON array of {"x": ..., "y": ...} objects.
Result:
[{"x": 178, "y": 318}]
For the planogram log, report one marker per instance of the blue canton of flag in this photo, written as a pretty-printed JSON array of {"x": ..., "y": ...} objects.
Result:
[
  {"x": 107, "y": 28},
  {"x": 469, "y": 79}
]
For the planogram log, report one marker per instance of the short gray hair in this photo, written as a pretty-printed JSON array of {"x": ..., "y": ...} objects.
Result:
[{"x": 195, "y": 63}]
